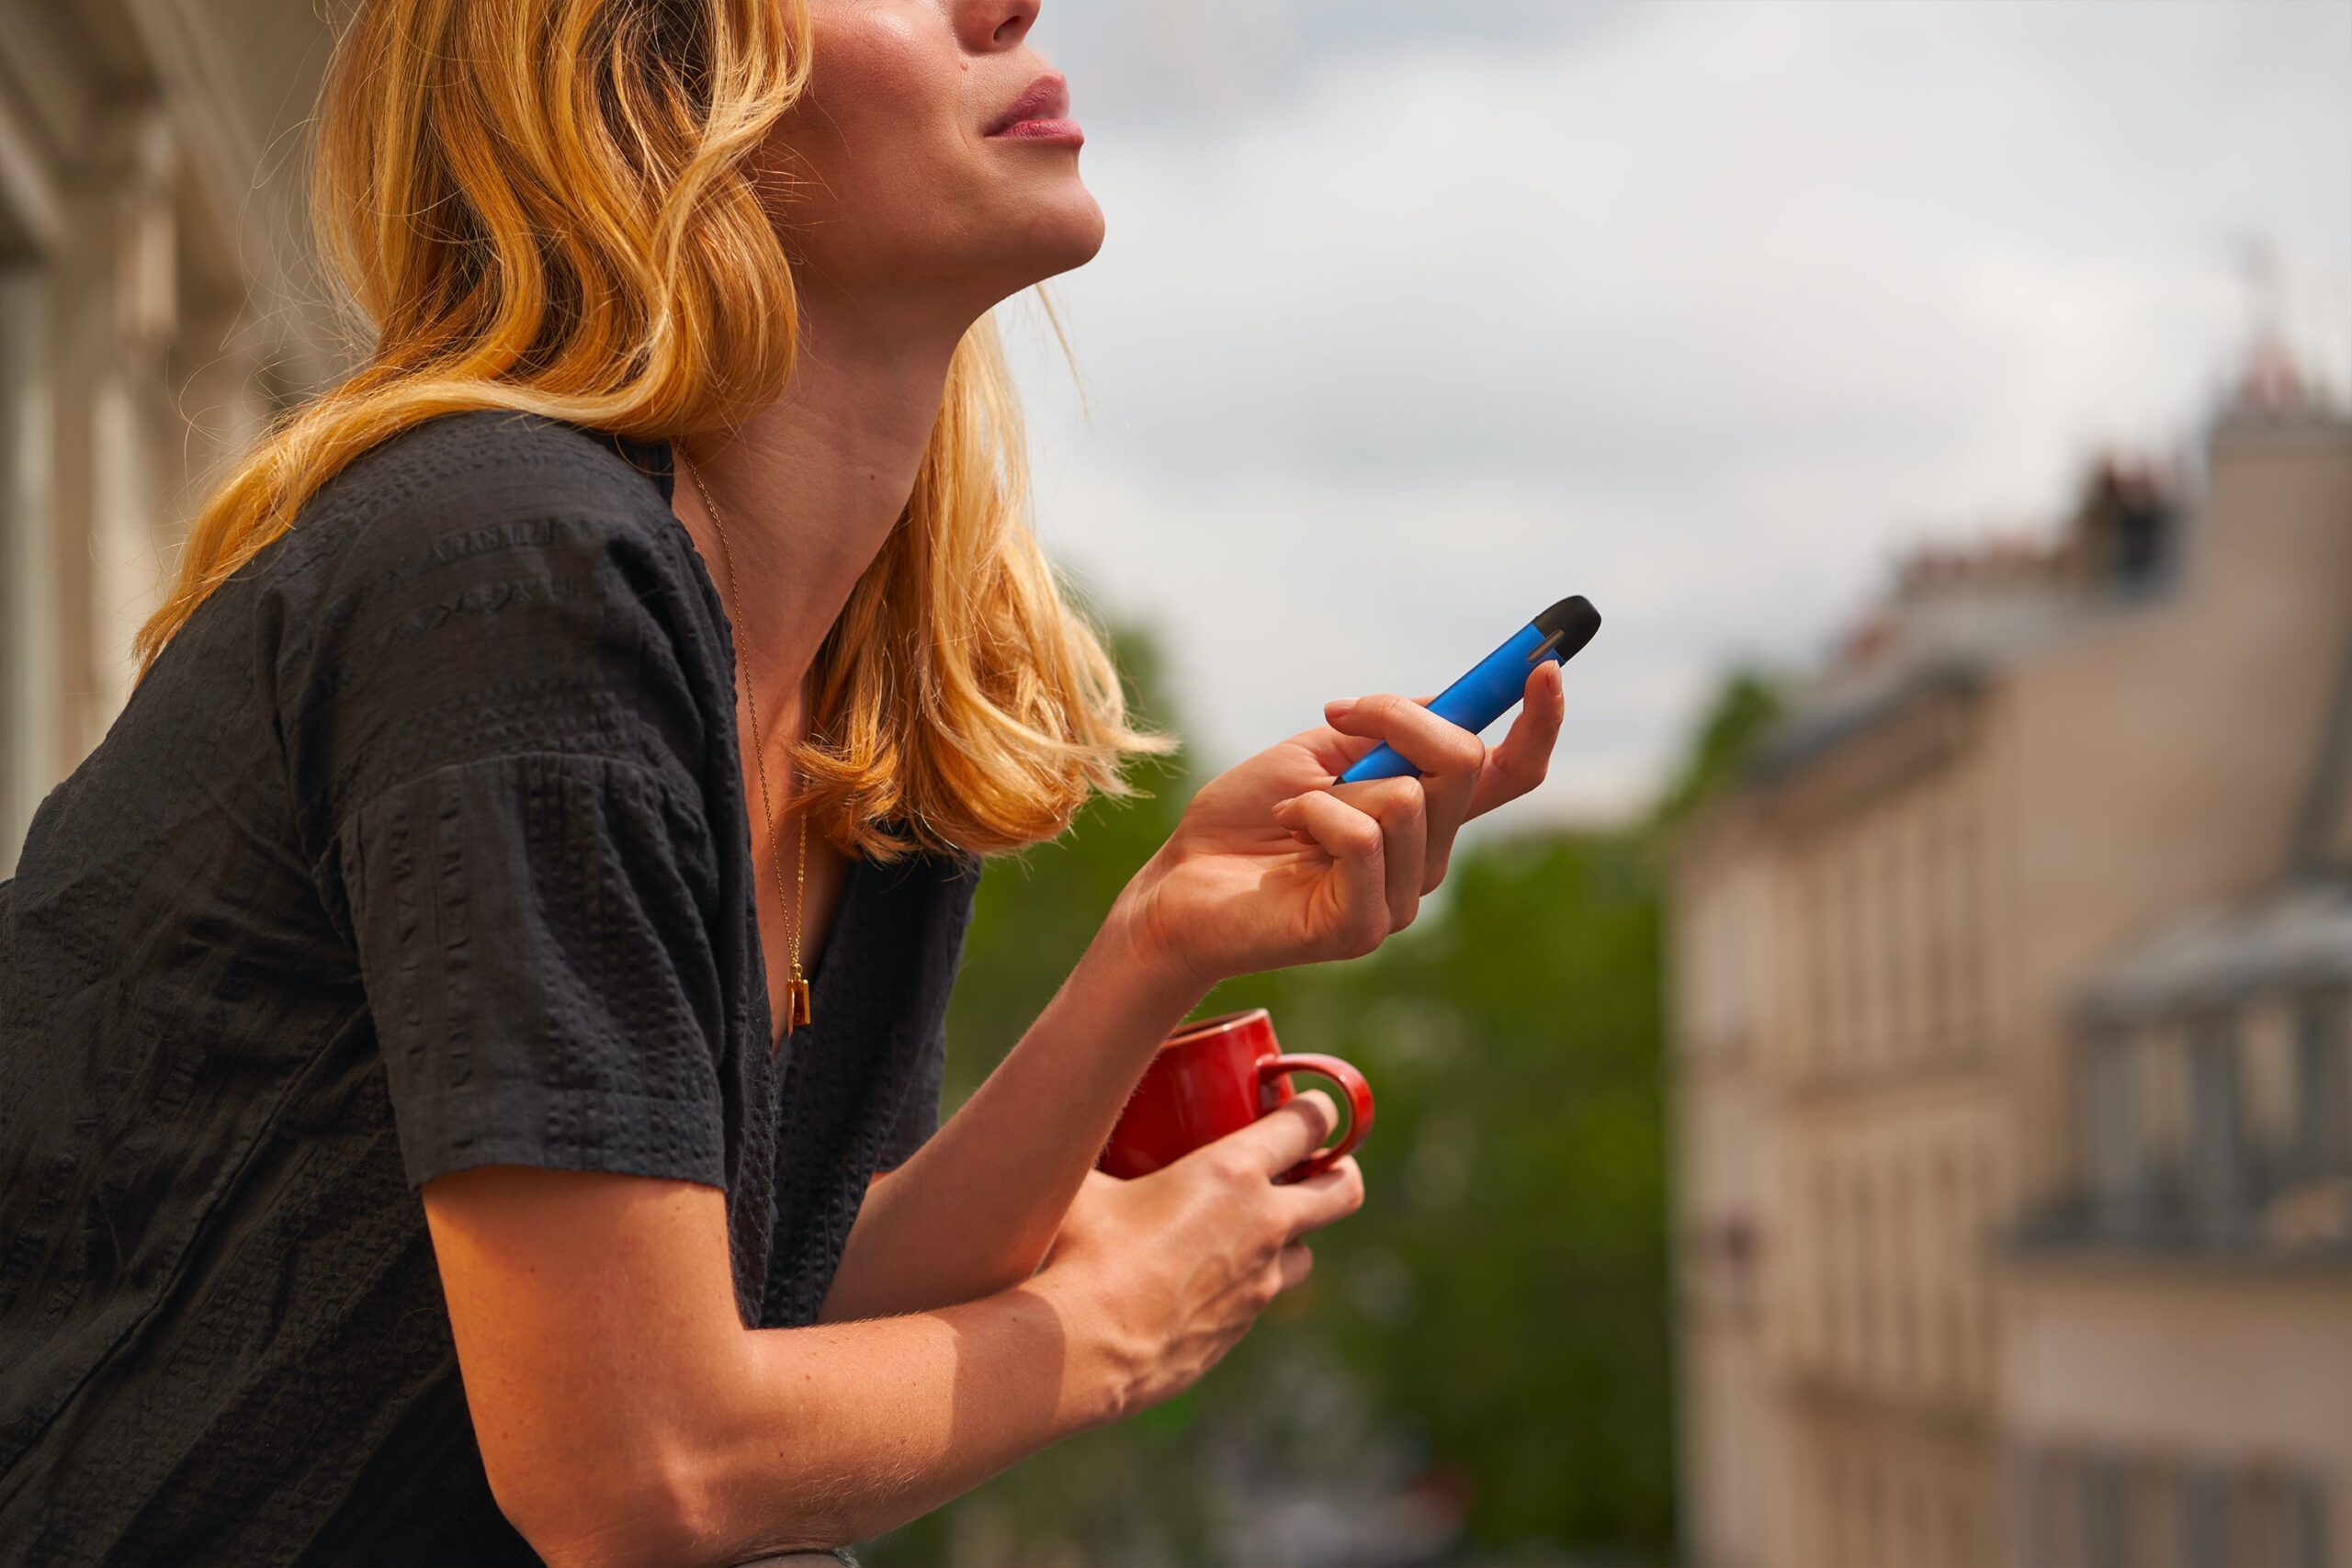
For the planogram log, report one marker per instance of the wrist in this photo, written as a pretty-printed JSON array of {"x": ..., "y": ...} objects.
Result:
[
  {"x": 1149, "y": 967},
  {"x": 1096, "y": 1380}
]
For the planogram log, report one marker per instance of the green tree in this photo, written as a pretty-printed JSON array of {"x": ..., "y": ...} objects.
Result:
[{"x": 1503, "y": 1296}]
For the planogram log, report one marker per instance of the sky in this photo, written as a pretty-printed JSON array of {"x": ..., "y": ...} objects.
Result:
[{"x": 1416, "y": 315}]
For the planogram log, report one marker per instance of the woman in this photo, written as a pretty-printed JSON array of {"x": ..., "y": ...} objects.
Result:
[{"x": 419, "y": 1144}]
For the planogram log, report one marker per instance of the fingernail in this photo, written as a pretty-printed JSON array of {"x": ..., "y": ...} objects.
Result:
[{"x": 1338, "y": 707}]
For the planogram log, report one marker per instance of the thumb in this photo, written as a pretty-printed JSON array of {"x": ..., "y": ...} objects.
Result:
[{"x": 1287, "y": 1134}]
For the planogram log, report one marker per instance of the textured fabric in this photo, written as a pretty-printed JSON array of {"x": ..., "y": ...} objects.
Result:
[{"x": 423, "y": 847}]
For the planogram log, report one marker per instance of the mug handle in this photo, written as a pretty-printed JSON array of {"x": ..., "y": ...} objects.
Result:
[{"x": 1352, "y": 1084}]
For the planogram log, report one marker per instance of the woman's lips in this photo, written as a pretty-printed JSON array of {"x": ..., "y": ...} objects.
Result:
[
  {"x": 1042, "y": 130},
  {"x": 1040, "y": 114}
]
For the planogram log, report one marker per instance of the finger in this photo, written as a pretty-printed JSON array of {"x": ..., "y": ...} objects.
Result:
[
  {"x": 1519, "y": 762},
  {"x": 1449, "y": 807},
  {"x": 1287, "y": 1271},
  {"x": 1286, "y": 1134},
  {"x": 1333, "y": 752},
  {"x": 1401, "y": 808},
  {"x": 1431, "y": 744},
  {"x": 1449, "y": 795},
  {"x": 1296, "y": 1262},
  {"x": 1337, "y": 750},
  {"x": 1325, "y": 1198},
  {"x": 1450, "y": 791},
  {"x": 1354, "y": 840}
]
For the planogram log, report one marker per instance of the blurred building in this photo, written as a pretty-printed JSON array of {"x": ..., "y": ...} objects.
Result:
[
  {"x": 2016, "y": 1193},
  {"x": 156, "y": 307}
]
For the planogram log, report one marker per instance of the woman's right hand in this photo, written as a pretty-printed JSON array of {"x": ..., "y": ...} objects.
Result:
[
  {"x": 1275, "y": 864},
  {"x": 1162, "y": 1275}
]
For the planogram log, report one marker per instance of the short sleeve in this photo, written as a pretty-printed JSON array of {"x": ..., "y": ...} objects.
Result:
[
  {"x": 535, "y": 960},
  {"x": 496, "y": 689}
]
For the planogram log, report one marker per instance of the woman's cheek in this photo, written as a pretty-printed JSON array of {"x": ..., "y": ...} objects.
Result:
[
  {"x": 884, "y": 67},
  {"x": 888, "y": 102}
]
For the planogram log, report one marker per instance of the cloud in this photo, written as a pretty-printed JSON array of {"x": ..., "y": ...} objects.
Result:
[{"x": 1414, "y": 317}]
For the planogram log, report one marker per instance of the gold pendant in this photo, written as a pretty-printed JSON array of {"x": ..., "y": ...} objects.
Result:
[{"x": 795, "y": 1004}]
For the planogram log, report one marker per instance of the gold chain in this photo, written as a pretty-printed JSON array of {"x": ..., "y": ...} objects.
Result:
[{"x": 797, "y": 1000}]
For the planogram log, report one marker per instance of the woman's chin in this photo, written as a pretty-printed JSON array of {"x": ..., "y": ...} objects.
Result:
[
  {"x": 1048, "y": 239},
  {"x": 1070, "y": 230},
  {"x": 998, "y": 252}
]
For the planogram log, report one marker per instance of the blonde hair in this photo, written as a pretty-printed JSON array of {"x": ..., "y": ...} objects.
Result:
[{"x": 555, "y": 206}]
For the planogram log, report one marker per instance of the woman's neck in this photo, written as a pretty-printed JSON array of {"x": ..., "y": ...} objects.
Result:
[{"x": 810, "y": 486}]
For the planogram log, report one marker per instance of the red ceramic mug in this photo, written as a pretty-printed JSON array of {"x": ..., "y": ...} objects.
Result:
[{"x": 1216, "y": 1076}]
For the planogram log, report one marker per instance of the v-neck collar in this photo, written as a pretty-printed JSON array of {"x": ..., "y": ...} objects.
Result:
[
  {"x": 822, "y": 984},
  {"x": 657, "y": 458}
]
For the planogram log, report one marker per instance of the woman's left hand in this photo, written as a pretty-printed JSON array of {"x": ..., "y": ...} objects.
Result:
[{"x": 1274, "y": 865}]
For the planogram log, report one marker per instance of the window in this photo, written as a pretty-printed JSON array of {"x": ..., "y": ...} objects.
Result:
[
  {"x": 1860, "y": 1009},
  {"x": 2302, "y": 1525},
  {"x": 2204, "y": 1523},
  {"x": 2097, "y": 1508},
  {"x": 1828, "y": 1326},
  {"x": 2106, "y": 1540},
  {"x": 2322, "y": 1141},
  {"x": 1900, "y": 1262},
  {"x": 1973, "y": 918},
  {"x": 2216, "y": 1143},
  {"x": 1953, "y": 1245},
  {"x": 1821, "y": 941},
  {"x": 1861, "y": 1277},
  {"x": 2114, "y": 1160},
  {"x": 2032, "y": 1518},
  {"x": 2144, "y": 527},
  {"x": 1940, "y": 868},
  {"x": 1891, "y": 928}
]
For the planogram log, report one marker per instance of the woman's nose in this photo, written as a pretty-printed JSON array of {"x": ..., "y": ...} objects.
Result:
[{"x": 995, "y": 23}]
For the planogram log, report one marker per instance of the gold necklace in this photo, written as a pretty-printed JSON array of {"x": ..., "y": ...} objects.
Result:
[{"x": 797, "y": 1009}]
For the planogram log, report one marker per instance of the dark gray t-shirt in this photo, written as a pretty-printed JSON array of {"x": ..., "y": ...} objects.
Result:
[{"x": 423, "y": 847}]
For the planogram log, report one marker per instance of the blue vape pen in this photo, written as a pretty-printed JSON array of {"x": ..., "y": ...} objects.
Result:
[{"x": 1494, "y": 688}]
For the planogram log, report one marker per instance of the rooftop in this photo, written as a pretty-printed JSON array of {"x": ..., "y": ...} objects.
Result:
[{"x": 1957, "y": 614}]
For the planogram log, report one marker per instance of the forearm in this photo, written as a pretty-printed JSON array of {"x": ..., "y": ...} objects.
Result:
[
  {"x": 876, "y": 1423},
  {"x": 976, "y": 1208},
  {"x": 811, "y": 1438}
]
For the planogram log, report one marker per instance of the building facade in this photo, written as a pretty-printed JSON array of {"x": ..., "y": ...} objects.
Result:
[
  {"x": 2010, "y": 1053},
  {"x": 157, "y": 306}
]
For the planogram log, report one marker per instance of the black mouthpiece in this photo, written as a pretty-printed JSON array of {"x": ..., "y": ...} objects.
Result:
[{"x": 1568, "y": 626}]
